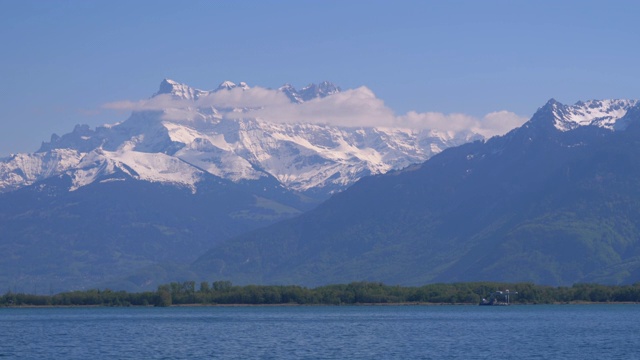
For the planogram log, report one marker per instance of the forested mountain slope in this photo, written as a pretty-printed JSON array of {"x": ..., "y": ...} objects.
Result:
[{"x": 556, "y": 201}]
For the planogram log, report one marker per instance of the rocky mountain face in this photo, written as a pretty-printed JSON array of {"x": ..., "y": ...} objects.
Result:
[
  {"x": 176, "y": 178},
  {"x": 556, "y": 201}
]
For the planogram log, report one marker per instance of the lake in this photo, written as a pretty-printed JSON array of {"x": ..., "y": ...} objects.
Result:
[{"x": 323, "y": 332}]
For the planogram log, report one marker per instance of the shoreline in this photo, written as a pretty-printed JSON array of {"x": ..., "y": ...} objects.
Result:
[{"x": 300, "y": 305}]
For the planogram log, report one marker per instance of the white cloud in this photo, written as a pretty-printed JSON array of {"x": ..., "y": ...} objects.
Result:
[
  {"x": 159, "y": 102},
  {"x": 360, "y": 107},
  {"x": 436, "y": 121},
  {"x": 353, "y": 108},
  {"x": 172, "y": 108},
  {"x": 240, "y": 98},
  {"x": 499, "y": 122},
  {"x": 495, "y": 123}
]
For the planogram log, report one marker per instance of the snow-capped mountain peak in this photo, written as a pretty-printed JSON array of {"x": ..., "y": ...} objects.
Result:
[
  {"x": 309, "y": 92},
  {"x": 151, "y": 146},
  {"x": 228, "y": 85},
  {"x": 291, "y": 93},
  {"x": 179, "y": 91},
  {"x": 321, "y": 90},
  {"x": 602, "y": 113}
]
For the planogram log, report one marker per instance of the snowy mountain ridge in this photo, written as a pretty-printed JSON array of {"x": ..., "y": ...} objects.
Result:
[
  {"x": 152, "y": 146},
  {"x": 182, "y": 145},
  {"x": 602, "y": 113}
]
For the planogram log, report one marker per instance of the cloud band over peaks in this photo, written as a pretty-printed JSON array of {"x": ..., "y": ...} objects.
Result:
[{"x": 351, "y": 108}]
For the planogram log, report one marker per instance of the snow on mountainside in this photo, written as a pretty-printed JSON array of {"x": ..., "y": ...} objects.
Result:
[
  {"x": 602, "y": 113},
  {"x": 180, "y": 143},
  {"x": 310, "y": 92},
  {"x": 19, "y": 170}
]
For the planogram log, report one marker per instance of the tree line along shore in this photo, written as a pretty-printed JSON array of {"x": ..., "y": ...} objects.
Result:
[{"x": 225, "y": 293}]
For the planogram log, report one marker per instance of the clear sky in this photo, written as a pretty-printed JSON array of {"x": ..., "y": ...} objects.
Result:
[{"x": 61, "y": 61}]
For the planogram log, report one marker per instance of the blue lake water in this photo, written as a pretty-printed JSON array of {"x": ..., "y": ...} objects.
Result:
[{"x": 323, "y": 332}]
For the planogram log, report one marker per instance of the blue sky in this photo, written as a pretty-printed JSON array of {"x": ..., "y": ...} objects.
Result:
[{"x": 63, "y": 60}]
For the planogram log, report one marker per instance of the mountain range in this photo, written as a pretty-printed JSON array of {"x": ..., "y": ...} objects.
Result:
[
  {"x": 555, "y": 201},
  {"x": 182, "y": 141},
  {"x": 191, "y": 188},
  {"x": 179, "y": 176}
]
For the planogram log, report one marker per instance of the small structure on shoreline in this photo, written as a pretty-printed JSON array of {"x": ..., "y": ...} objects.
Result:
[{"x": 498, "y": 298}]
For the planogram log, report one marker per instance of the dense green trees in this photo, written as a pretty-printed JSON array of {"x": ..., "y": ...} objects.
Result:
[{"x": 224, "y": 292}]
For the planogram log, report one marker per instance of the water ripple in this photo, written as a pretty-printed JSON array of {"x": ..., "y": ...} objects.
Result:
[{"x": 323, "y": 332}]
